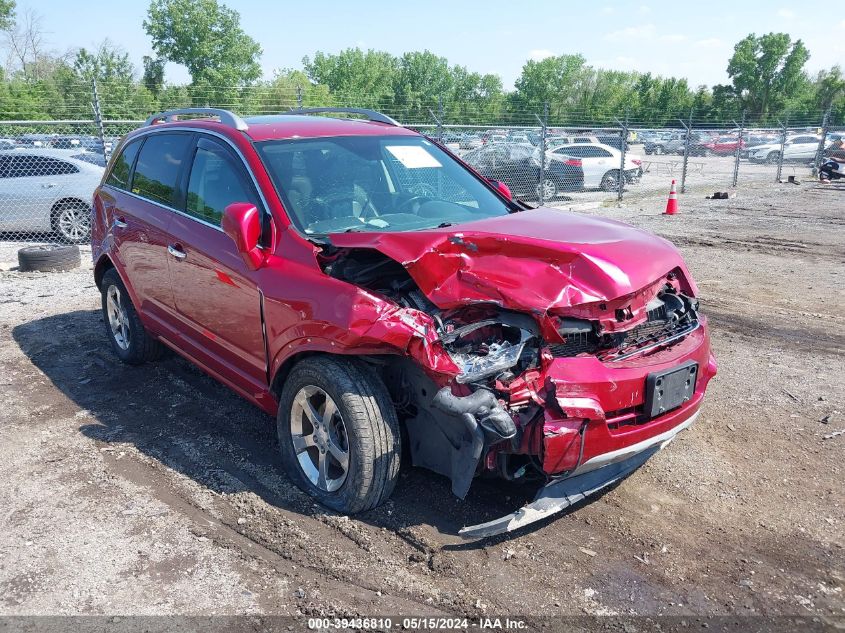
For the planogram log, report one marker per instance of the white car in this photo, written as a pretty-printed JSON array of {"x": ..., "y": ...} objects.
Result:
[
  {"x": 600, "y": 164},
  {"x": 801, "y": 147},
  {"x": 43, "y": 190}
]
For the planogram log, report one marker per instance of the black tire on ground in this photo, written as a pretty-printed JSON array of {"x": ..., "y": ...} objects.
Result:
[
  {"x": 658, "y": 149},
  {"x": 71, "y": 221},
  {"x": 48, "y": 257},
  {"x": 129, "y": 339},
  {"x": 370, "y": 426},
  {"x": 772, "y": 158}
]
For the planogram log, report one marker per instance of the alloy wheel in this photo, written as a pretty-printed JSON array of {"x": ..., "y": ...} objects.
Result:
[
  {"x": 118, "y": 319},
  {"x": 319, "y": 438},
  {"x": 74, "y": 222}
]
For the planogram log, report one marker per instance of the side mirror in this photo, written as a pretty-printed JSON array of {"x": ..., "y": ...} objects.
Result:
[
  {"x": 502, "y": 188},
  {"x": 242, "y": 222}
]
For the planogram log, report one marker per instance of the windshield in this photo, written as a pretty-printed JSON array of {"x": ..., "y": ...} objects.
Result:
[{"x": 367, "y": 183}]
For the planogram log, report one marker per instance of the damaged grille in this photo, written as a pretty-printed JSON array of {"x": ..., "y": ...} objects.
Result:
[{"x": 666, "y": 322}]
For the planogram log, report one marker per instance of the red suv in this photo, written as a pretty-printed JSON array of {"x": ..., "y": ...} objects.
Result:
[{"x": 382, "y": 300}]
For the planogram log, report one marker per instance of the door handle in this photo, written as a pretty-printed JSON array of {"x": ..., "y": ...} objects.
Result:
[
  {"x": 48, "y": 185},
  {"x": 119, "y": 223},
  {"x": 177, "y": 252}
]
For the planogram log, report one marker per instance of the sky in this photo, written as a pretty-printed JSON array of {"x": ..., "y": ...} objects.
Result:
[{"x": 692, "y": 40}]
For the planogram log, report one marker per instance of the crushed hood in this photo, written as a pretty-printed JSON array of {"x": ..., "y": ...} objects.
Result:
[{"x": 531, "y": 261}]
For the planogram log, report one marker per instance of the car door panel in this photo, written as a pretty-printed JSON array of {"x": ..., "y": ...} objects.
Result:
[{"x": 217, "y": 299}]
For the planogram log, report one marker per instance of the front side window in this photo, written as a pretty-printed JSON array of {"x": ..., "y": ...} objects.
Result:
[
  {"x": 159, "y": 164},
  {"x": 366, "y": 183},
  {"x": 214, "y": 184},
  {"x": 119, "y": 176}
]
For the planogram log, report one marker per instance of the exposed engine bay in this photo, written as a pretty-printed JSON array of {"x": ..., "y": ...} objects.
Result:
[{"x": 502, "y": 411}]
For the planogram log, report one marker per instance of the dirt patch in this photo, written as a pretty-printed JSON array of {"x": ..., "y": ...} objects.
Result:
[{"x": 155, "y": 490}]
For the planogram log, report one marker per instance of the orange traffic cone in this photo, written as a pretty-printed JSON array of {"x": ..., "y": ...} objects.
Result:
[{"x": 672, "y": 203}]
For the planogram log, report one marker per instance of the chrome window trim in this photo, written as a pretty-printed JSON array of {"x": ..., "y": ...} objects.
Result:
[{"x": 153, "y": 130}]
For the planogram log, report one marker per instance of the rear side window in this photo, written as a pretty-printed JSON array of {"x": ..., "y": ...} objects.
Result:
[
  {"x": 158, "y": 167},
  {"x": 23, "y": 166},
  {"x": 119, "y": 176},
  {"x": 215, "y": 183}
]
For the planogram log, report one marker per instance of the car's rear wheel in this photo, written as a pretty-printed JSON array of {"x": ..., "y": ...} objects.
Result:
[
  {"x": 338, "y": 433},
  {"x": 610, "y": 181},
  {"x": 71, "y": 221},
  {"x": 658, "y": 149},
  {"x": 549, "y": 188},
  {"x": 129, "y": 339}
]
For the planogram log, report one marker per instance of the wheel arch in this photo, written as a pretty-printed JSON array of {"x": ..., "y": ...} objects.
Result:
[
  {"x": 101, "y": 267},
  {"x": 59, "y": 204}
]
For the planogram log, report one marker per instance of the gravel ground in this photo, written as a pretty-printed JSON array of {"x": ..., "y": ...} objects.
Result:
[{"x": 154, "y": 490}]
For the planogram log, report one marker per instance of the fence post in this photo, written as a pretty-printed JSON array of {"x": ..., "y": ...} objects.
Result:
[
  {"x": 299, "y": 96},
  {"x": 738, "y": 149},
  {"x": 541, "y": 190},
  {"x": 820, "y": 150},
  {"x": 782, "y": 146},
  {"x": 688, "y": 128},
  {"x": 623, "y": 149},
  {"x": 440, "y": 118},
  {"x": 98, "y": 119}
]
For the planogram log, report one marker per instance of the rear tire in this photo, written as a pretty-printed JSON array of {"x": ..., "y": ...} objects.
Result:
[
  {"x": 549, "y": 190},
  {"x": 658, "y": 150},
  {"x": 129, "y": 339},
  {"x": 610, "y": 181},
  {"x": 337, "y": 412},
  {"x": 71, "y": 221}
]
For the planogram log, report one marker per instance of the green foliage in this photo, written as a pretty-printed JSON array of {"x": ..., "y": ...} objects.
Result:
[
  {"x": 7, "y": 14},
  {"x": 767, "y": 72},
  {"x": 207, "y": 38}
]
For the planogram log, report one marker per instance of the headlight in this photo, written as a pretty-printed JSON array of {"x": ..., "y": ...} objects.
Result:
[{"x": 500, "y": 356}]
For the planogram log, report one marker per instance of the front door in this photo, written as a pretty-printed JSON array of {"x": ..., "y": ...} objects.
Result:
[{"x": 215, "y": 294}]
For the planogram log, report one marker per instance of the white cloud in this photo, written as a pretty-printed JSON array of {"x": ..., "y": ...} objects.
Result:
[
  {"x": 607, "y": 10},
  {"x": 643, "y": 31},
  {"x": 786, "y": 13},
  {"x": 710, "y": 42},
  {"x": 540, "y": 54},
  {"x": 674, "y": 37}
]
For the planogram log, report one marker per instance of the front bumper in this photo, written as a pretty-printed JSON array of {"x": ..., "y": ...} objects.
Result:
[{"x": 563, "y": 493}]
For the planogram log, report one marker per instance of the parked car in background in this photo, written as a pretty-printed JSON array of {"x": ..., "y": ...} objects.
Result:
[
  {"x": 8, "y": 143},
  {"x": 600, "y": 164},
  {"x": 518, "y": 166},
  {"x": 724, "y": 145},
  {"x": 470, "y": 141},
  {"x": 47, "y": 190},
  {"x": 36, "y": 140},
  {"x": 383, "y": 301},
  {"x": 674, "y": 144},
  {"x": 802, "y": 147}
]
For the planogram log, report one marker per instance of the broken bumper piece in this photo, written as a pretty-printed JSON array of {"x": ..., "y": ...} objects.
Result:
[{"x": 559, "y": 495}]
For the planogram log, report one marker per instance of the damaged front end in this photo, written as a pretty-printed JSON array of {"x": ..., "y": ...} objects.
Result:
[{"x": 572, "y": 395}]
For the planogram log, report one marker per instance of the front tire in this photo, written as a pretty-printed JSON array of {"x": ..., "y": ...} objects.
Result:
[
  {"x": 772, "y": 158},
  {"x": 338, "y": 433},
  {"x": 129, "y": 339},
  {"x": 658, "y": 150}
]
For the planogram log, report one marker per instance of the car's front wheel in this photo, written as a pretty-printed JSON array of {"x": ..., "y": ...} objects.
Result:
[
  {"x": 338, "y": 433},
  {"x": 129, "y": 339},
  {"x": 658, "y": 149},
  {"x": 772, "y": 158}
]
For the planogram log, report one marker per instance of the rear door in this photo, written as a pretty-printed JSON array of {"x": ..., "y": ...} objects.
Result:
[
  {"x": 140, "y": 220},
  {"x": 31, "y": 185},
  {"x": 216, "y": 296}
]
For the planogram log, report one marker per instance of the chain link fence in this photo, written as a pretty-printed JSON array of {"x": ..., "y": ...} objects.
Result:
[{"x": 50, "y": 168}]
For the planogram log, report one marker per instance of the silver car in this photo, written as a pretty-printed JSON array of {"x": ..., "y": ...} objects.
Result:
[{"x": 45, "y": 190}]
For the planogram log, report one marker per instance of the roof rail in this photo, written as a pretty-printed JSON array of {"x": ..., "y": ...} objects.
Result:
[
  {"x": 226, "y": 117},
  {"x": 370, "y": 115}
]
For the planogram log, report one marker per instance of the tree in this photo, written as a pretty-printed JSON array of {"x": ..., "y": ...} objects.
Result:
[
  {"x": 207, "y": 38},
  {"x": 7, "y": 14},
  {"x": 106, "y": 64},
  {"x": 153, "y": 78},
  {"x": 355, "y": 77},
  {"x": 554, "y": 80},
  {"x": 767, "y": 71}
]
